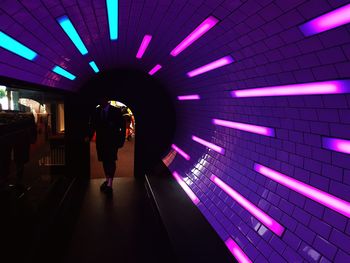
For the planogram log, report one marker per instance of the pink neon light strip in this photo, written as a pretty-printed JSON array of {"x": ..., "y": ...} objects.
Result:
[
  {"x": 209, "y": 145},
  {"x": 237, "y": 252},
  {"x": 181, "y": 152},
  {"x": 335, "y": 18},
  {"x": 155, "y": 69},
  {"x": 313, "y": 193},
  {"x": 204, "y": 27},
  {"x": 245, "y": 127},
  {"x": 268, "y": 221},
  {"x": 186, "y": 188},
  {"x": 189, "y": 97},
  {"x": 314, "y": 88},
  {"x": 144, "y": 44},
  {"x": 212, "y": 65},
  {"x": 338, "y": 145}
]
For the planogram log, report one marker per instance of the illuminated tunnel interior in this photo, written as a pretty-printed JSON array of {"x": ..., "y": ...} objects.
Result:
[{"x": 250, "y": 97}]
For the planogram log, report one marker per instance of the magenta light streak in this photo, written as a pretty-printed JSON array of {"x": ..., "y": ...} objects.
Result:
[
  {"x": 313, "y": 193},
  {"x": 237, "y": 252},
  {"x": 145, "y": 42},
  {"x": 181, "y": 152},
  {"x": 212, "y": 65},
  {"x": 186, "y": 188},
  {"x": 209, "y": 145},
  {"x": 313, "y": 88},
  {"x": 335, "y": 18},
  {"x": 268, "y": 221},
  {"x": 155, "y": 69},
  {"x": 204, "y": 27},
  {"x": 245, "y": 127},
  {"x": 338, "y": 145},
  {"x": 189, "y": 97}
]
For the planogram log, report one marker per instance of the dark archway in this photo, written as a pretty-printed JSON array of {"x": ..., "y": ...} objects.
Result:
[{"x": 152, "y": 106}]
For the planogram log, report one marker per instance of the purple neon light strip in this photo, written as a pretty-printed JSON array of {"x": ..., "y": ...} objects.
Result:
[
  {"x": 236, "y": 251},
  {"x": 332, "y": 202},
  {"x": 186, "y": 188},
  {"x": 338, "y": 145},
  {"x": 181, "y": 152},
  {"x": 144, "y": 44},
  {"x": 189, "y": 97},
  {"x": 199, "y": 31},
  {"x": 211, "y": 66},
  {"x": 313, "y": 88},
  {"x": 335, "y": 18},
  {"x": 264, "y": 218},
  {"x": 155, "y": 69},
  {"x": 246, "y": 127},
  {"x": 209, "y": 144}
]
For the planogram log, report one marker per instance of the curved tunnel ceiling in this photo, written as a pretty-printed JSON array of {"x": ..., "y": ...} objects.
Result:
[{"x": 269, "y": 168}]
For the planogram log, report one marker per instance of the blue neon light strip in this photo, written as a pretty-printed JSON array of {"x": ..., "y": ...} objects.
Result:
[
  {"x": 112, "y": 10},
  {"x": 60, "y": 71},
  {"x": 68, "y": 27},
  {"x": 14, "y": 46},
  {"x": 94, "y": 66}
]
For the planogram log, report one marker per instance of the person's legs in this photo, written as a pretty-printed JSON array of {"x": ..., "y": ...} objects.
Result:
[{"x": 109, "y": 168}]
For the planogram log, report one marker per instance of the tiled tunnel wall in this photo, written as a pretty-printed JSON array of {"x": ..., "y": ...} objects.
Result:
[{"x": 269, "y": 49}]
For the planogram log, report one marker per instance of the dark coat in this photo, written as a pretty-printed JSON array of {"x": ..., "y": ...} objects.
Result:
[{"x": 110, "y": 132}]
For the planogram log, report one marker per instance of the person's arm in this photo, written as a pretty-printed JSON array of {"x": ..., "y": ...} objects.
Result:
[{"x": 122, "y": 130}]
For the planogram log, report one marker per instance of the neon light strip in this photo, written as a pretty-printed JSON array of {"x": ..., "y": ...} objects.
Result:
[
  {"x": 338, "y": 145},
  {"x": 209, "y": 145},
  {"x": 14, "y": 46},
  {"x": 72, "y": 33},
  {"x": 189, "y": 97},
  {"x": 94, "y": 66},
  {"x": 145, "y": 42},
  {"x": 313, "y": 193},
  {"x": 199, "y": 31},
  {"x": 237, "y": 252},
  {"x": 314, "y": 88},
  {"x": 186, "y": 188},
  {"x": 211, "y": 66},
  {"x": 181, "y": 152},
  {"x": 268, "y": 221},
  {"x": 155, "y": 69},
  {"x": 112, "y": 11},
  {"x": 245, "y": 127},
  {"x": 335, "y": 18},
  {"x": 63, "y": 72}
]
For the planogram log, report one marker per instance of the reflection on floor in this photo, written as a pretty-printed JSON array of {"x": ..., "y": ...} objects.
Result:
[
  {"x": 122, "y": 229},
  {"x": 125, "y": 164}
]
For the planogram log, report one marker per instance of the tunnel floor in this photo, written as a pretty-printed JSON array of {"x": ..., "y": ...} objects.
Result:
[{"x": 119, "y": 229}]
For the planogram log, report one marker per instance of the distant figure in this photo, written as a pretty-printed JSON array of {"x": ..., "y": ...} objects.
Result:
[{"x": 109, "y": 124}]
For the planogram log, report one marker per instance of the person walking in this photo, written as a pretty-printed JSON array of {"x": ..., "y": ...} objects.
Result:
[{"x": 109, "y": 125}]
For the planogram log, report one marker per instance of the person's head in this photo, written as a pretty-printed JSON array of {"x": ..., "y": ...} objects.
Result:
[{"x": 103, "y": 101}]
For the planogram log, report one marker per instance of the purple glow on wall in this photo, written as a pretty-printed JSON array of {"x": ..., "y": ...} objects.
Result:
[
  {"x": 211, "y": 66},
  {"x": 210, "y": 145},
  {"x": 181, "y": 152},
  {"x": 204, "y": 27},
  {"x": 245, "y": 127},
  {"x": 264, "y": 218},
  {"x": 335, "y": 18},
  {"x": 189, "y": 97},
  {"x": 155, "y": 69},
  {"x": 311, "y": 192},
  {"x": 144, "y": 44},
  {"x": 236, "y": 251},
  {"x": 186, "y": 188},
  {"x": 313, "y": 88},
  {"x": 338, "y": 145}
]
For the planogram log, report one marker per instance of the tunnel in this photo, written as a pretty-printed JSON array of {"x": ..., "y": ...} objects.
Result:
[{"x": 242, "y": 145}]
